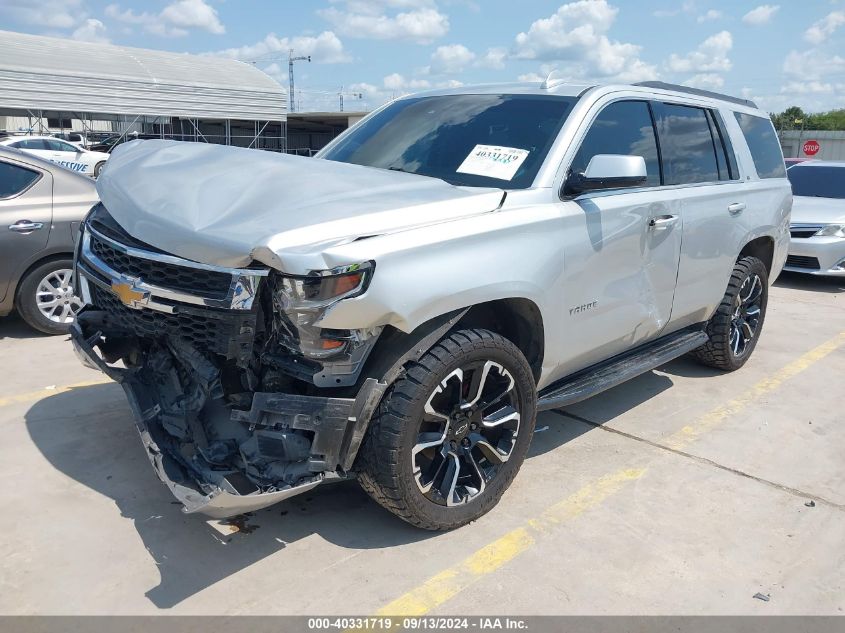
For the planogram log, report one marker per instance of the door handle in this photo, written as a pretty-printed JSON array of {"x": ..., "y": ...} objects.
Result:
[
  {"x": 736, "y": 208},
  {"x": 25, "y": 226},
  {"x": 662, "y": 222}
]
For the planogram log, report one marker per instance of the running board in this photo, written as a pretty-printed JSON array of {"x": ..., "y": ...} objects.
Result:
[{"x": 619, "y": 369}]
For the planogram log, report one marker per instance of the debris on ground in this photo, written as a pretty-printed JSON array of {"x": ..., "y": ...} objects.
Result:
[
  {"x": 810, "y": 504},
  {"x": 763, "y": 597},
  {"x": 541, "y": 429}
]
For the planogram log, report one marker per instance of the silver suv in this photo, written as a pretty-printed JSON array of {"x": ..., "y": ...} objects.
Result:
[{"x": 399, "y": 308}]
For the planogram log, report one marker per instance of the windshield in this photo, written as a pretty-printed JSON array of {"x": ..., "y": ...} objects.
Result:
[
  {"x": 473, "y": 140},
  {"x": 821, "y": 182}
]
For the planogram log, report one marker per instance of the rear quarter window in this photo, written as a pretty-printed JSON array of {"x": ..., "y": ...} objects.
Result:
[
  {"x": 14, "y": 179},
  {"x": 763, "y": 142}
]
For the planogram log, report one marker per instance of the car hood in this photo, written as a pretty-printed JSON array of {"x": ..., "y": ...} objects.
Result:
[
  {"x": 809, "y": 210},
  {"x": 229, "y": 206}
]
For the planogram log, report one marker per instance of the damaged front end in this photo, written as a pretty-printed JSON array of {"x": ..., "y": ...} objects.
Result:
[{"x": 240, "y": 398}]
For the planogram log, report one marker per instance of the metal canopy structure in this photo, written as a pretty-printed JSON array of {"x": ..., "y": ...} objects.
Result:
[{"x": 158, "y": 92}]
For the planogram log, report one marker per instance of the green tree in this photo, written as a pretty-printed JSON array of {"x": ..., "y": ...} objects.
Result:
[{"x": 794, "y": 118}]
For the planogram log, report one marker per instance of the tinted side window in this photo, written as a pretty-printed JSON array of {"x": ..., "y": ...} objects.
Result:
[
  {"x": 624, "y": 127},
  {"x": 720, "y": 134},
  {"x": 765, "y": 149},
  {"x": 61, "y": 146},
  {"x": 721, "y": 158},
  {"x": 30, "y": 143},
  {"x": 687, "y": 147},
  {"x": 14, "y": 179}
]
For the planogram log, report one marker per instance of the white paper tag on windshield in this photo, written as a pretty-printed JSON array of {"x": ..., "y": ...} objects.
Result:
[{"x": 493, "y": 162}]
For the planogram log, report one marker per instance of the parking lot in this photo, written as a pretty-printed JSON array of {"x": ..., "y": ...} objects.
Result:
[{"x": 684, "y": 491}]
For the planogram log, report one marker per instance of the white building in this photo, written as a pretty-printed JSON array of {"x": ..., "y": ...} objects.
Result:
[{"x": 51, "y": 85}]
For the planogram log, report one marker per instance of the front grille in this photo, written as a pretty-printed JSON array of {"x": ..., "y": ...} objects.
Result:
[
  {"x": 207, "y": 330},
  {"x": 800, "y": 261},
  {"x": 195, "y": 281},
  {"x": 803, "y": 232}
]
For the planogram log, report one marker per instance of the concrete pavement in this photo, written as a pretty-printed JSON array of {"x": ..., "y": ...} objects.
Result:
[{"x": 684, "y": 491}]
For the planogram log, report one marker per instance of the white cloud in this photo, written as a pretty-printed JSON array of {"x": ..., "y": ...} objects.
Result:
[
  {"x": 374, "y": 7},
  {"x": 450, "y": 59},
  {"x": 812, "y": 65},
  {"x": 193, "y": 14},
  {"x": 825, "y": 27},
  {"x": 174, "y": 20},
  {"x": 710, "y": 56},
  {"x": 708, "y": 81},
  {"x": 709, "y": 16},
  {"x": 807, "y": 87},
  {"x": 394, "y": 86},
  {"x": 577, "y": 33},
  {"x": 422, "y": 22},
  {"x": 494, "y": 58},
  {"x": 325, "y": 48},
  {"x": 761, "y": 15},
  {"x": 532, "y": 76},
  {"x": 91, "y": 31},
  {"x": 687, "y": 7},
  {"x": 56, "y": 14},
  {"x": 398, "y": 83}
]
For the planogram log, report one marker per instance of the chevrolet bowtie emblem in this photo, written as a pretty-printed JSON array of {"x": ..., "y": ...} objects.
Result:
[{"x": 128, "y": 294}]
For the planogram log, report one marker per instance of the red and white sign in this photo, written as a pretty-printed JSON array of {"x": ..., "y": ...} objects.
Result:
[{"x": 811, "y": 148}]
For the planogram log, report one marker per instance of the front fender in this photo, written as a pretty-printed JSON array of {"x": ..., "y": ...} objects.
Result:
[{"x": 435, "y": 270}]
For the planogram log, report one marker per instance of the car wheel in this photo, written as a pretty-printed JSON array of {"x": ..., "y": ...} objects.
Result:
[
  {"x": 451, "y": 434},
  {"x": 45, "y": 297},
  {"x": 98, "y": 168},
  {"x": 736, "y": 326}
]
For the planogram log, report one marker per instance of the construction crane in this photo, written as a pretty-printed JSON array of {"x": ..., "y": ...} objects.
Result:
[
  {"x": 291, "y": 93},
  {"x": 353, "y": 95},
  {"x": 274, "y": 55}
]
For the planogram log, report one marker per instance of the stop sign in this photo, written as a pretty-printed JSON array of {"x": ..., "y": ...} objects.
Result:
[{"x": 811, "y": 148}]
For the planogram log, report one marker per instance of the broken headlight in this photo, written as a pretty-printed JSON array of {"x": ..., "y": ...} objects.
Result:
[
  {"x": 304, "y": 301},
  {"x": 321, "y": 289},
  {"x": 832, "y": 230}
]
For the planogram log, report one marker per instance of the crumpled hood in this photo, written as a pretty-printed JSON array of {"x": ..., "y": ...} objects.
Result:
[
  {"x": 809, "y": 210},
  {"x": 229, "y": 206}
]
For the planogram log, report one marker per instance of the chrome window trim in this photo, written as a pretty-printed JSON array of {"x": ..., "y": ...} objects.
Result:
[{"x": 241, "y": 293}]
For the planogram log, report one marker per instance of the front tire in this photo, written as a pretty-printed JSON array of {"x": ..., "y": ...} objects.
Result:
[
  {"x": 451, "y": 434},
  {"x": 736, "y": 326},
  {"x": 98, "y": 168},
  {"x": 45, "y": 298}
]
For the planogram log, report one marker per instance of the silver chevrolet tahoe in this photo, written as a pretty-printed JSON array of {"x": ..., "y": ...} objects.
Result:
[{"x": 399, "y": 308}]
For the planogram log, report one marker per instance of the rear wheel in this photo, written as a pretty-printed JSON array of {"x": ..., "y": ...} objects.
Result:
[
  {"x": 98, "y": 168},
  {"x": 450, "y": 436},
  {"x": 45, "y": 297},
  {"x": 736, "y": 326}
]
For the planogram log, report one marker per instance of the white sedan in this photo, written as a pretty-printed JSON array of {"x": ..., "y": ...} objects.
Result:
[{"x": 60, "y": 152}]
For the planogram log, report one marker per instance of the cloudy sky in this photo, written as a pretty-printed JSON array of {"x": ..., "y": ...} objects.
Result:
[{"x": 791, "y": 53}]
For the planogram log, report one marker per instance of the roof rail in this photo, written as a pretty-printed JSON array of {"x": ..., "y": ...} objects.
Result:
[{"x": 661, "y": 85}]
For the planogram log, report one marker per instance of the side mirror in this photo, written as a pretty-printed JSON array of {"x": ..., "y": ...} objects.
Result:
[{"x": 608, "y": 171}]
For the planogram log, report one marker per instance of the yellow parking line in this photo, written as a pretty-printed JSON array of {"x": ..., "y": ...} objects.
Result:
[
  {"x": 450, "y": 582},
  {"x": 717, "y": 416},
  {"x": 32, "y": 396}
]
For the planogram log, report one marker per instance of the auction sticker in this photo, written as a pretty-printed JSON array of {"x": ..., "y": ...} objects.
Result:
[{"x": 493, "y": 162}]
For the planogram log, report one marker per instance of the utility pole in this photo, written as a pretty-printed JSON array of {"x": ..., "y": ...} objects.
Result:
[{"x": 291, "y": 94}]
